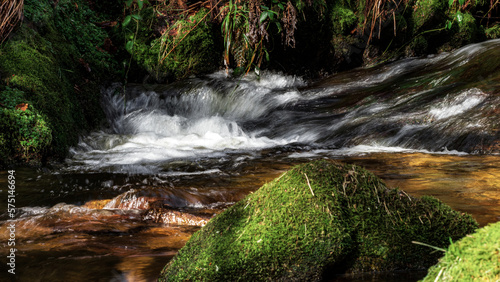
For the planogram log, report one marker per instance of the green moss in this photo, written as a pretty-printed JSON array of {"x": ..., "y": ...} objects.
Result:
[
  {"x": 76, "y": 23},
  {"x": 465, "y": 29},
  {"x": 10, "y": 98},
  {"x": 493, "y": 32},
  {"x": 187, "y": 50},
  {"x": 427, "y": 13},
  {"x": 413, "y": 28},
  {"x": 417, "y": 46},
  {"x": 30, "y": 65},
  {"x": 39, "y": 12},
  {"x": 317, "y": 217},
  {"x": 54, "y": 57},
  {"x": 24, "y": 134},
  {"x": 473, "y": 258},
  {"x": 343, "y": 20}
]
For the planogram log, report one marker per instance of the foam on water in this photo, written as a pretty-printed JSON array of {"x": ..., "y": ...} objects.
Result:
[
  {"x": 458, "y": 104},
  {"x": 177, "y": 173},
  {"x": 361, "y": 150},
  {"x": 204, "y": 121},
  {"x": 376, "y": 148}
]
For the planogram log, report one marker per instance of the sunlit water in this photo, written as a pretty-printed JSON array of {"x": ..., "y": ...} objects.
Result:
[{"x": 173, "y": 156}]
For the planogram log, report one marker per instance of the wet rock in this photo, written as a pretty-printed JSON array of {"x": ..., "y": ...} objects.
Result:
[
  {"x": 96, "y": 204},
  {"x": 319, "y": 219},
  {"x": 168, "y": 206},
  {"x": 173, "y": 198},
  {"x": 176, "y": 217},
  {"x": 63, "y": 218}
]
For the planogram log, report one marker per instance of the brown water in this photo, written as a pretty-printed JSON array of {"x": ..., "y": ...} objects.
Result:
[
  {"x": 130, "y": 195},
  {"x": 467, "y": 183},
  {"x": 76, "y": 243}
]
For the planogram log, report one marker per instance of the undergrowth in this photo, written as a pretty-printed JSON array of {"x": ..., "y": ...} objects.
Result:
[
  {"x": 55, "y": 58},
  {"x": 24, "y": 132}
]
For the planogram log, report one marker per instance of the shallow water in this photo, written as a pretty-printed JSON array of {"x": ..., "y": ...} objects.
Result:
[
  {"x": 79, "y": 243},
  {"x": 130, "y": 195}
]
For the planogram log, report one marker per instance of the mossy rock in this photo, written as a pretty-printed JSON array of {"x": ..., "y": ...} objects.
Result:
[
  {"x": 187, "y": 48},
  {"x": 343, "y": 20},
  {"x": 465, "y": 29},
  {"x": 473, "y": 258},
  {"x": 428, "y": 13},
  {"x": 417, "y": 46},
  {"x": 29, "y": 64},
  {"x": 346, "y": 54},
  {"x": 320, "y": 217}
]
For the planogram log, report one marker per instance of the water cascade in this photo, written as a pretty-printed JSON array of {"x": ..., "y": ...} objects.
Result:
[{"x": 437, "y": 104}]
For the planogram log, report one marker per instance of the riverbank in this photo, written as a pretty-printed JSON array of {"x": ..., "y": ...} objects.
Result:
[{"x": 52, "y": 67}]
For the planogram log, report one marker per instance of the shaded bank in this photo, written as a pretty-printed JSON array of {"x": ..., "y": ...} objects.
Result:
[
  {"x": 54, "y": 63},
  {"x": 310, "y": 38},
  {"x": 319, "y": 219}
]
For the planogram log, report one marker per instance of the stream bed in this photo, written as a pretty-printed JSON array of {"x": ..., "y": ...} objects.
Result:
[{"x": 172, "y": 156}]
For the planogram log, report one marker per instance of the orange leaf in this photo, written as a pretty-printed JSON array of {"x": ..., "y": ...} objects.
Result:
[{"x": 22, "y": 107}]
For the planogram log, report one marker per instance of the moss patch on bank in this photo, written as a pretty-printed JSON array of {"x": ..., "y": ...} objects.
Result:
[
  {"x": 55, "y": 62},
  {"x": 301, "y": 37},
  {"x": 317, "y": 218},
  {"x": 24, "y": 132},
  {"x": 187, "y": 48},
  {"x": 473, "y": 258}
]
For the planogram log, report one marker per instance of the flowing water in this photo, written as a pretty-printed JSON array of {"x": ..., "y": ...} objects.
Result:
[{"x": 130, "y": 195}]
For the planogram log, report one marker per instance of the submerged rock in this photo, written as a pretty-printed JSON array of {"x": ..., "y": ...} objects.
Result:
[
  {"x": 475, "y": 257},
  {"x": 319, "y": 219}
]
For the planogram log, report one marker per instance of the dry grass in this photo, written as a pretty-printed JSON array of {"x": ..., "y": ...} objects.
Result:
[
  {"x": 377, "y": 11},
  {"x": 11, "y": 12}
]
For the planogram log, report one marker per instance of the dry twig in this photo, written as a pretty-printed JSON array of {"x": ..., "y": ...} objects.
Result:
[
  {"x": 11, "y": 12},
  {"x": 309, "y": 184}
]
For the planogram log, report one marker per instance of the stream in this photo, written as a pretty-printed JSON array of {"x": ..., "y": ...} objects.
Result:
[{"x": 130, "y": 195}]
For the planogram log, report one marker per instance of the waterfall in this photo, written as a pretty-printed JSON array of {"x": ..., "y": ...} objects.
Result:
[{"x": 439, "y": 104}]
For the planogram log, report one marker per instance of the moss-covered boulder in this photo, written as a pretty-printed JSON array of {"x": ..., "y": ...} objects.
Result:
[
  {"x": 317, "y": 218},
  {"x": 473, "y": 258},
  {"x": 427, "y": 14}
]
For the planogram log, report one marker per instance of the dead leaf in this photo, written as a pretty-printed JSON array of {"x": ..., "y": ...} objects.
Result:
[{"x": 23, "y": 107}]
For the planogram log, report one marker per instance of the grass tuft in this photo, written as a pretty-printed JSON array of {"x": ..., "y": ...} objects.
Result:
[{"x": 473, "y": 258}]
